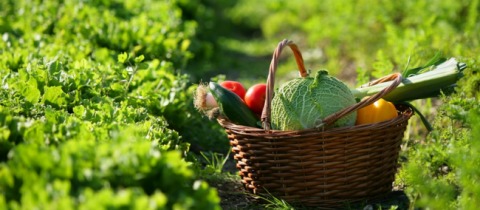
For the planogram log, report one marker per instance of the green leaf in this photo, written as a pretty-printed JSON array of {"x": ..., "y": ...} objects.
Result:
[
  {"x": 31, "y": 92},
  {"x": 35, "y": 133},
  {"x": 55, "y": 96},
  {"x": 54, "y": 67},
  {"x": 436, "y": 59},
  {"x": 122, "y": 58},
  {"x": 139, "y": 59},
  {"x": 118, "y": 87},
  {"x": 79, "y": 111}
]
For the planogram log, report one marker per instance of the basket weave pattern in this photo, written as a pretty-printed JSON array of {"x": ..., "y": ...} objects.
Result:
[
  {"x": 313, "y": 168},
  {"x": 321, "y": 166}
]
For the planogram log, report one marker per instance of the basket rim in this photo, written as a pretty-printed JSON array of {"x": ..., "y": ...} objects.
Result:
[{"x": 405, "y": 113}]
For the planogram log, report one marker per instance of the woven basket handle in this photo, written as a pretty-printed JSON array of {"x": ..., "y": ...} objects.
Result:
[{"x": 266, "y": 113}]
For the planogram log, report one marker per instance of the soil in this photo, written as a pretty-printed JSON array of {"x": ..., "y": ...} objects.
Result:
[{"x": 233, "y": 196}]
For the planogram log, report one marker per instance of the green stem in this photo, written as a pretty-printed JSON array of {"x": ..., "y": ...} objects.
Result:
[{"x": 422, "y": 117}]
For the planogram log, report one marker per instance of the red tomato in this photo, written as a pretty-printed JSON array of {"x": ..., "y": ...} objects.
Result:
[
  {"x": 235, "y": 87},
  {"x": 255, "y": 98}
]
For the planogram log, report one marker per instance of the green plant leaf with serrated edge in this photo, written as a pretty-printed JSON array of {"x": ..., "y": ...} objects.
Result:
[
  {"x": 31, "y": 92},
  {"x": 55, "y": 96}
]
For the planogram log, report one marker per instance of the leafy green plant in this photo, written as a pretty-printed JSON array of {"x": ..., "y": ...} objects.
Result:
[
  {"x": 91, "y": 98},
  {"x": 214, "y": 162},
  {"x": 126, "y": 165},
  {"x": 441, "y": 170},
  {"x": 347, "y": 35}
]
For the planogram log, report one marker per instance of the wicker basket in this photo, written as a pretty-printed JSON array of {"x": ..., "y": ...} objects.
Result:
[{"x": 322, "y": 167}]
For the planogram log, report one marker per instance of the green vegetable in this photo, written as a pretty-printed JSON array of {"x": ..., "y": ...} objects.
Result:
[
  {"x": 425, "y": 85},
  {"x": 302, "y": 103},
  {"x": 232, "y": 106}
]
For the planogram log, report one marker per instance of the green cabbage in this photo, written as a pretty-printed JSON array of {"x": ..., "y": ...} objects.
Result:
[{"x": 302, "y": 103}]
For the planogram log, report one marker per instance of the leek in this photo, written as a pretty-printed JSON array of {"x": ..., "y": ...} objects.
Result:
[{"x": 441, "y": 79}]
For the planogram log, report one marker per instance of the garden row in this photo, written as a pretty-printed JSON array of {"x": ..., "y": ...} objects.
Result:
[
  {"x": 96, "y": 96},
  {"x": 90, "y": 96}
]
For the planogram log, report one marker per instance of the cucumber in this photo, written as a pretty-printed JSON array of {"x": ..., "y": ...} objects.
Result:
[{"x": 232, "y": 106}]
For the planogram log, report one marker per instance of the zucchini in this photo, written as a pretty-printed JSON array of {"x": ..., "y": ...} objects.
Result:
[{"x": 232, "y": 106}]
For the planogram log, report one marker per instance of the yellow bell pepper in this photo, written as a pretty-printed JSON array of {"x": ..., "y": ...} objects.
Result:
[{"x": 379, "y": 111}]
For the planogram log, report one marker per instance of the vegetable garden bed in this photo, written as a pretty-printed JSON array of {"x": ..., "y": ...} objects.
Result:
[{"x": 96, "y": 97}]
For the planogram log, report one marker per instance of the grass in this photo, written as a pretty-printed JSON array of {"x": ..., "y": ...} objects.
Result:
[{"x": 214, "y": 161}]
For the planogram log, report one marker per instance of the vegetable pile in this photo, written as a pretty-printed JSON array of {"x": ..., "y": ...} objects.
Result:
[
  {"x": 304, "y": 103},
  {"x": 230, "y": 100}
]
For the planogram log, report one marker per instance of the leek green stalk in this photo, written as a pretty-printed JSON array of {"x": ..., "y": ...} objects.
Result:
[{"x": 440, "y": 79}]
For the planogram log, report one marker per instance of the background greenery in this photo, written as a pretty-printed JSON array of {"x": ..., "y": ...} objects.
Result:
[{"x": 96, "y": 96}]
